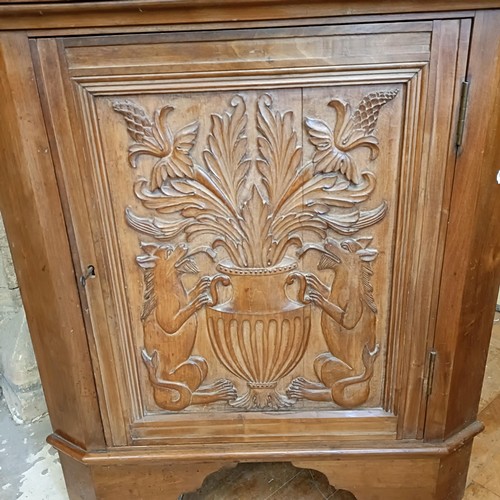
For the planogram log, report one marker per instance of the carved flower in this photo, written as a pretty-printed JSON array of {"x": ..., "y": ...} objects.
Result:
[
  {"x": 155, "y": 138},
  {"x": 351, "y": 131}
]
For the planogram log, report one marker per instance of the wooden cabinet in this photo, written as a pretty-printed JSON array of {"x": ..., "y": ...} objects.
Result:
[{"x": 256, "y": 232}]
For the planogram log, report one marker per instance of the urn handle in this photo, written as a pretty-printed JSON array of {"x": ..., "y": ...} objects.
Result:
[
  {"x": 301, "y": 278},
  {"x": 214, "y": 293}
]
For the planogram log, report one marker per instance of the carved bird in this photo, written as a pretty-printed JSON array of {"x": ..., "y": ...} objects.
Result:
[
  {"x": 155, "y": 138},
  {"x": 352, "y": 130}
]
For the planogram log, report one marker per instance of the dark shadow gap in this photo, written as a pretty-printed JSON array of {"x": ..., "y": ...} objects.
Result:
[{"x": 262, "y": 481}]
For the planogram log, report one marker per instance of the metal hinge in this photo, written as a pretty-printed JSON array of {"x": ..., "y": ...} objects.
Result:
[
  {"x": 464, "y": 96},
  {"x": 430, "y": 373}
]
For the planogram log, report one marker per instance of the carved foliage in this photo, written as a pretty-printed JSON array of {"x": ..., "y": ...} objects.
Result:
[
  {"x": 255, "y": 229},
  {"x": 254, "y": 224},
  {"x": 351, "y": 131}
]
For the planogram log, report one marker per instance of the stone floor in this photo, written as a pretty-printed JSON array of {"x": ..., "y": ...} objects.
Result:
[
  {"x": 29, "y": 467},
  {"x": 30, "y": 470}
]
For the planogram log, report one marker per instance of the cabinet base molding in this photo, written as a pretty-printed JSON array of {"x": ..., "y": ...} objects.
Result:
[
  {"x": 433, "y": 476},
  {"x": 246, "y": 452},
  {"x": 430, "y": 470}
]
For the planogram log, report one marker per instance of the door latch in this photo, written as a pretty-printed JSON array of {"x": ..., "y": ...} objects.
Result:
[{"x": 89, "y": 274}]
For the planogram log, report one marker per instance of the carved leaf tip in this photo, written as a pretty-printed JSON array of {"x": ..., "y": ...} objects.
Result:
[
  {"x": 225, "y": 158},
  {"x": 351, "y": 131},
  {"x": 280, "y": 155},
  {"x": 160, "y": 229},
  {"x": 364, "y": 119},
  {"x": 139, "y": 125},
  {"x": 255, "y": 223},
  {"x": 320, "y": 134}
]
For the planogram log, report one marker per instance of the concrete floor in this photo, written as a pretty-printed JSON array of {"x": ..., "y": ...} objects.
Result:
[{"x": 30, "y": 469}]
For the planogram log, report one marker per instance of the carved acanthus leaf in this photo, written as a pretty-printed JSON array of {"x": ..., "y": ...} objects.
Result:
[
  {"x": 225, "y": 158},
  {"x": 175, "y": 160},
  {"x": 279, "y": 157},
  {"x": 256, "y": 222},
  {"x": 156, "y": 227},
  {"x": 351, "y": 222}
]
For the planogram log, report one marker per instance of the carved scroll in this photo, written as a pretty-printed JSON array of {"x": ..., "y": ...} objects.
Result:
[{"x": 250, "y": 210}]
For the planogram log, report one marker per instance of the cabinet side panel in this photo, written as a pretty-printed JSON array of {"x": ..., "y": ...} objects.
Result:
[
  {"x": 471, "y": 270},
  {"x": 33, "y": 218}
]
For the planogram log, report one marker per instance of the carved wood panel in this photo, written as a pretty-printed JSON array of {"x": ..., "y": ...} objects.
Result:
[
  {"x": 254, "y": 211},
  {"x": 254, "y": 225}
]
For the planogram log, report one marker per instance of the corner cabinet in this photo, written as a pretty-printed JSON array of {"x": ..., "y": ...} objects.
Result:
[{"x": 256, "y": 232}]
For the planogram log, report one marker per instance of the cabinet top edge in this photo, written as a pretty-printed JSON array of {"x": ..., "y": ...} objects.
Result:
[{"x": 63, "y": 14}]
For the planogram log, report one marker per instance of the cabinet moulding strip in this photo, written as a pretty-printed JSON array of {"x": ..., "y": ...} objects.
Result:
[
  {"x": 227, "y": 85},
  {"x": 401, "y": 71},
  {"x": 245, "y": 453},
  {"x": 151, "y": 84},
  {"x": 133, "y": 13},
  {"x": 297, "y": 22}
]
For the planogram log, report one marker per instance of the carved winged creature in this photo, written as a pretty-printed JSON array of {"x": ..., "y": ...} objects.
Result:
[
  {"x": 342, "y": 303},
  {"x": 155, "y": 138},
  {"x": 170, "y": 323},
  {"x": 351, "y": 131}
]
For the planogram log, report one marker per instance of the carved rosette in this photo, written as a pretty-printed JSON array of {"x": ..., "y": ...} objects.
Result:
[{"x": 249, "y": 211}]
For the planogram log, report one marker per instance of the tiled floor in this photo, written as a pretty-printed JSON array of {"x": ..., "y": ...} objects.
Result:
[{"x": 29, "y": 469}]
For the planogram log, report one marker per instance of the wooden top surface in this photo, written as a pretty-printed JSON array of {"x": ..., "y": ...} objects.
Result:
[
  {"x": 349, "y": 6},
  {"x": 56, "y": 14}
]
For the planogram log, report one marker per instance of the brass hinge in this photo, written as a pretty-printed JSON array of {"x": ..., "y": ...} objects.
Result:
[
  {"x": 464, "y": 96},
  {"x": 430, "y": 373}
]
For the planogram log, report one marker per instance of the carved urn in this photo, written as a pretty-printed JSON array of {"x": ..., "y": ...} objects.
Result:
[{"x": 259, "y": 334}]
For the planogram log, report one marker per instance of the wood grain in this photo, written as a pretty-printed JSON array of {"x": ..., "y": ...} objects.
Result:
[
  {"x": 467, "y": 306},
  {"x": 102, "y": 14},
  {"x": 281, "y": 229},
  {"x": 136, "y": 117},
  {"x": 35, "y": 225}
]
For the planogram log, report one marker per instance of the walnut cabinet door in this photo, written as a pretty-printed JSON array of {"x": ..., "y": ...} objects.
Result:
[{"x": 258, "y": 218}]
